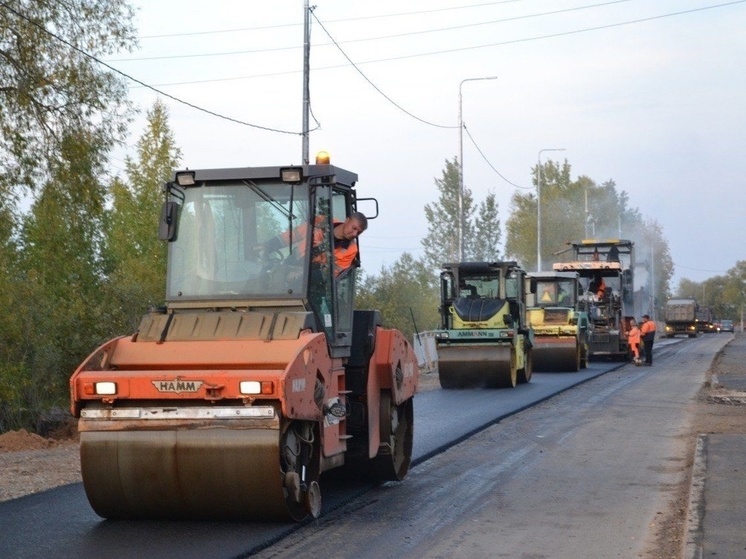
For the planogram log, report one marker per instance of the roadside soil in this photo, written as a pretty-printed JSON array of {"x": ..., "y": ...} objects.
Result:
[
  {"x": 715, "y": 410},
  {"x": 30, "y": 463}
]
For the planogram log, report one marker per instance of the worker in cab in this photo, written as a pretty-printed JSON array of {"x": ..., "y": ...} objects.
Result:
[
  {"x": 344, "y": 234},
  {"x": 563, "y": 297},
  {"x": 598, "y": 287}
]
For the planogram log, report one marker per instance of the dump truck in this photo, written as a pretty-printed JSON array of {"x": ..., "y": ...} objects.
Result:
[
  {"x": 484, "y": 340},
  {"x": 257, "y": 375},
  {"x": 606, "y": 271},
  {"x": 681, "y": 317},
  {"x": 561, "y": 329},
  {"x": 705, "y": 322}
]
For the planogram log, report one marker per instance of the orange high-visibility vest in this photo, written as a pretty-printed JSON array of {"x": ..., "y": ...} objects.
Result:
[
  {"x": 647, "y": 327},
  {"x": 345, "y": 251}
]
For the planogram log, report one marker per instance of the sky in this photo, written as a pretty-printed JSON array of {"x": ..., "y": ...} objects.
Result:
[{"x": 648, "y": 93}]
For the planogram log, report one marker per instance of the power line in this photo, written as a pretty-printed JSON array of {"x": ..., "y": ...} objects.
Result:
[
  {"x": 379, "y": 38},
  {"x": 490, "y": 164},
  {"x": 553, "y": 35},
  {"x": 463, "y": 49},
  {"x": 152, "y": 88},
  {"x": 343, "y": 20},
  {"x": 389, "y": 99}
]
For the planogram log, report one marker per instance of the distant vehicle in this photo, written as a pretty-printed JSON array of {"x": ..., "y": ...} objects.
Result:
[
  {"x": 705, "y": 323},
  {"x": 726, "y": 326},
  {"x": 681, "y": 317}
]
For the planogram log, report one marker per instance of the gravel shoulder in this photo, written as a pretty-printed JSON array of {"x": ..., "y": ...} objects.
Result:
[{"x": 30, "y": 463}]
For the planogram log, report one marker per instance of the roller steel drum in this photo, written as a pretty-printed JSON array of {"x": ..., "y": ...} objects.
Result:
[
  {"x": 473, "y": 365},
  {"x": 185, "y": 474},
  {"x": 556, "y": 354}
]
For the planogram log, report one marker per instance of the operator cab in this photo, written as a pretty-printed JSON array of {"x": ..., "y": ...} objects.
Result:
[{"x": 261, "y": 239}]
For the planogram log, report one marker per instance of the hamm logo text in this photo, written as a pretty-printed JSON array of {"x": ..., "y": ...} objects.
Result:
[{"x": 177, "y": 386}]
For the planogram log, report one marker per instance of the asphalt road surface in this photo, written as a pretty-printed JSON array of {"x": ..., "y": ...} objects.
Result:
[{"x": 570, "y": 465}]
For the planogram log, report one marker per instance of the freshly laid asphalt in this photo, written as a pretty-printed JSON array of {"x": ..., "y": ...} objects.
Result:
[{"x": 717, "y": 508}]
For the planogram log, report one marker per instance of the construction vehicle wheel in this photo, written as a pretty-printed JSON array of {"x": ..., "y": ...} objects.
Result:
[
  {"x": 584, "y": 356},
  {"x": 578, "y": 363},
  {"x": 525, "y": 374},
  {"x": 300, "y": 463},
  {"x": 397, "y": 435}
]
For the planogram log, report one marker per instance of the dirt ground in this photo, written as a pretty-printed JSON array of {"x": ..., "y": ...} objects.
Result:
[
  {"x": 30, "y": 463},
  {"x": 714, "y": 411}
]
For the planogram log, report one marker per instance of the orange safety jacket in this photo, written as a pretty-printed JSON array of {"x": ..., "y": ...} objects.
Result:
[
  {"x": 345, "y": 251},
  {"x": 648, "y": 329},
  {"x": 634, "y": 336},
  {"x": 601, "y": 289}
]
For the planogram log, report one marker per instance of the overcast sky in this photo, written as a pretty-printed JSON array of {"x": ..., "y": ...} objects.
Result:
[{"x": 648, "y": 93}]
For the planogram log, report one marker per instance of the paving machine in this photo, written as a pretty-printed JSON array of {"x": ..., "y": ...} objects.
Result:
[
  {"x": 257, "y": 375},
  {"x": 606, "y": 271},
  {"x": 561, "y": 330},
  {"x": 484, "y": 339}
]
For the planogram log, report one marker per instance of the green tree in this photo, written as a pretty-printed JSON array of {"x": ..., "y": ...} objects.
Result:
[
  {"x": 59, "y": 321},
  {"x": 137, "y": 259},
  {"x": 481, "y": 233},
  {"x": 60, "y": 112},
  {"x": 441, "y": 242},
  {"x": 402, "y": 291},
  {"x": 653, "y": 255},
  {"x": 574, "y": 210},
  {"x": 559, "y": 197},
  {"x": 14, "y": 299},
  {"x": 51, "y": 86},
  {"x": 485, "y": 245},
  {"x": 725, "y": 294}
]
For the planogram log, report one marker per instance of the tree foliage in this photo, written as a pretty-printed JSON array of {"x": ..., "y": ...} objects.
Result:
[
  {"x": 136, "y": 258},
  {"x": 60, "y": 113},
  {"x": 485, "y": 244},
  {"x": 558, "y": 197},
  {"x": 441, "y": 243},
  {"x": 50, "y": 86},
  {"x": 406, "y": 293},
  {"x": 481, "y": 232},
  {"x": 575, "y": 210},
  {"x": 725, "y": 294},
  {"x": 58, "y": 275}
]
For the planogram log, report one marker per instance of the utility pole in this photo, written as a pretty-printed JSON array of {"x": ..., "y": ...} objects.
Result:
[
  {"x": 460, "y": 221},
  {"x": 306, "y": 76}
]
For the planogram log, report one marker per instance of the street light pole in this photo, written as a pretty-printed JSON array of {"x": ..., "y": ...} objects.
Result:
[
  {"x": 460, "y": 224},
  {"x": 538, "y": 207}
]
